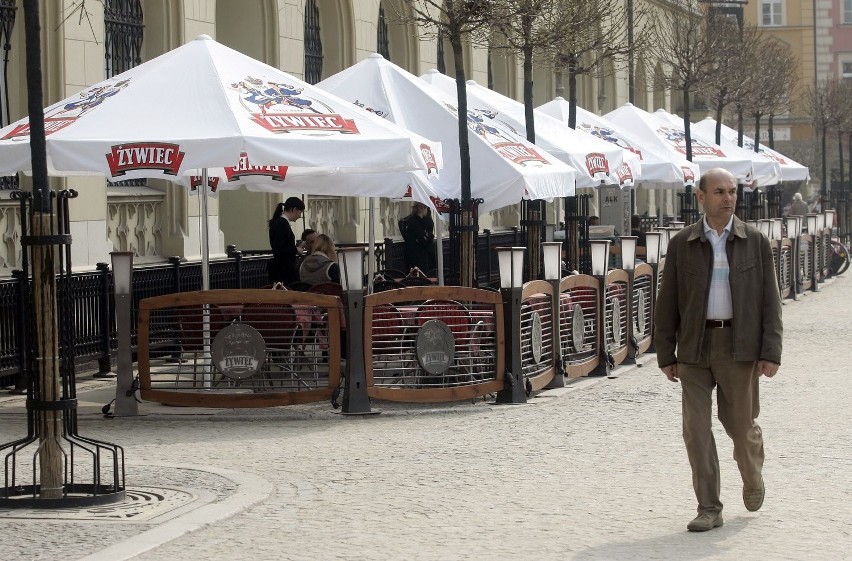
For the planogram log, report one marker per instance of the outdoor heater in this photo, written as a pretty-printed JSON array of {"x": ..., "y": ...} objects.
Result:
[
  {"x": 356, "y": 400},
  {"x": 600, "y": 268},
  {"x": 552, "y": 257},
  {"x": 125, "y": 391},
  {"x": 511, "y": 263}
]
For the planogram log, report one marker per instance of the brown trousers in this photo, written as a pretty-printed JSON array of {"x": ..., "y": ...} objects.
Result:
[{"x": 738, "y": 402}]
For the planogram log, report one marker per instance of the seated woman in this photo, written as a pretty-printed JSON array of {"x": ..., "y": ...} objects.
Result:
[{"x": 321, "y": 265}]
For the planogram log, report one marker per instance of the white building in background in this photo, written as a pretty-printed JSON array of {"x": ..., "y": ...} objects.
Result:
[{"x": 312, "y": 39}]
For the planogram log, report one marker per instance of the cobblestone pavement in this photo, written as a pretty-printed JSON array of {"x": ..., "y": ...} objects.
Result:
[{"x": 591, "y": 473}]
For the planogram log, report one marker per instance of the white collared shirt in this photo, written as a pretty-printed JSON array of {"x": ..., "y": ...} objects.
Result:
[{"x": 719, "y": 298}]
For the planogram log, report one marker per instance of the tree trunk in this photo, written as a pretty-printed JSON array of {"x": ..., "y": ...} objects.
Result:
[
  {"x": 572, "y": 95},
  {"x": 44, "y": 276},
  {"x": 757, "y": 132},
  {"x": 824, "y": 163},
  {"x": 720, "y": 107},
  {"x": 771, "y": 130},
  {"x": 534, "y": 208},
  {"x": 740, "y": 122},
  {"x": 840, "y": 154},
  {"x": 686, "y": 124},
  {"x": 467, "y": 251}
]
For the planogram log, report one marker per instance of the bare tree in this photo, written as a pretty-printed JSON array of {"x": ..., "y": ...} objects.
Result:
[
  {"x": 682, "y": 40},
  {"x": 732, "y": 69},
  {"x": 772, "y": 78},
  {"x": 592, "y": 32},
  {"x": 457, "y": 21},
  {"x": 824, "y": 104}
]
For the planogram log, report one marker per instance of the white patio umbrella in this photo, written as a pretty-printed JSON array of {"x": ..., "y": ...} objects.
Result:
[
  {"x": 669, "y": 138},
  {"x": 505, "y": 168},
  {"x": 790, "y": 170},
  {"x": 660, "y": 170},
  {"x": 597, "y": 161},
  {"x": 204, "y": 105},
  {"x": 764, "y": 170}
]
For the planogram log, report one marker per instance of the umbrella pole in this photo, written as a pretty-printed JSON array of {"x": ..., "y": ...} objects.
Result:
[
  {"x": 440, "y": 261},
  {"x": 205, "y": 247},
  {"x": 371, "y": 258}
]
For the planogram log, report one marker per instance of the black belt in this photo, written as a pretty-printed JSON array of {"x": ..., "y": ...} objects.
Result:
[{"x": 718, "y": 323}]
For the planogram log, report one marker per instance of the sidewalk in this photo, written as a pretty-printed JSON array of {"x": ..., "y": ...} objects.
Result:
[{"x": 593, "y": 472}]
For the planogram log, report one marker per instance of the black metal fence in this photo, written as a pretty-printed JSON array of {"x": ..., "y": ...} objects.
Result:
[{"x": 93, "y": 312}]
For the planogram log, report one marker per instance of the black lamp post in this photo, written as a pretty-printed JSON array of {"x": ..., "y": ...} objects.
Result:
[
  {"x": 356, "y": 400},
  {"x": 511, "y": 263},
  {"x": 628, "y": 264},
  {"x": 552, "y": 257},
  {"x": 600, "y": 268},
  {"x": 125, "y": 392}
]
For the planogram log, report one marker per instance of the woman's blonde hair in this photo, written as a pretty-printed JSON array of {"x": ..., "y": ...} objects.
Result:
[{"x": 324, "y": 244}]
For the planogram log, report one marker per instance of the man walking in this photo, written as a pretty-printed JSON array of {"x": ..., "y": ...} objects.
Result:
[{"x": 718, "y": 324}]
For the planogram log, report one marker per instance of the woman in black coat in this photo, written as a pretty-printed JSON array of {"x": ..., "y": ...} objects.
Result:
[
  {"x": 418, "y": 231},
  {"x": 284, "y": 265}
]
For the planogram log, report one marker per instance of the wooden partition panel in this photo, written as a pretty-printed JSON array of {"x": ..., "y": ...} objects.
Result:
[
  {"x": 579, "y": 300},
  {"x": 615, "y": 315},
  {"x": 537, "y": 330},
  {"x": 239, "y": 348},
  {"x": 434, "y": 343}
]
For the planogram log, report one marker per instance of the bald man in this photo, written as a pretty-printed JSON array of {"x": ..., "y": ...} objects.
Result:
[{"x": 718, "y": 325}]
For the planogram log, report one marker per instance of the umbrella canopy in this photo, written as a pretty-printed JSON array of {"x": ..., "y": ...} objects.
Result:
[
  {"x": 204, "y": 105},
  {"x": 764, "y": 171},
  {"x": 659, "y": 169},
  {"x": 505, "y": 168},
  {"x": 597, "y": 161},
  {"x": 669, "y": 137},
  {"x": 790, "y": 170}
]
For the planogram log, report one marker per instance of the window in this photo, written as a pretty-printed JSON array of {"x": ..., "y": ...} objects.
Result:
[
  {"x": 772, "y": 12},
  {"x": 7, "y": 22},
  {"x": 847, "y": 11},
  {"x": 846, "y": 71},
  {"x": 313, "y": 43}
]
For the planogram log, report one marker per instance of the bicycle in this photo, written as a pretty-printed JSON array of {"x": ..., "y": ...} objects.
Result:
[{"x": 839, "y": 259}]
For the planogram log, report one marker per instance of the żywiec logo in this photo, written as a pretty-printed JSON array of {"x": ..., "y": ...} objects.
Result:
[
  {"x": 145, "y": 155},
  {"x": 597, "y": 163},
  {"x": 688, "y": 174},
  {"x": 429, "y": 158},
  {"x": 285, "y": 108},
  {"x": 624, "y": 174},
  {"x": 677, "y": 138},
  {"x": 195, "y": 183},
  {"x": 60, "y": 116},
  {"x": 519, "y": 153},
  {"x": 244, "y": 168}
]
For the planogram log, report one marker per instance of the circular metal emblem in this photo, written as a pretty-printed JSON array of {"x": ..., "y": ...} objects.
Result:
[
  {"x": 641, "y": 322},
  {"x": 536, "y": 337},
  {"x": 238, "y": 351},
  {"x": 436, "y": 347},
  {"x": 578, "y": 327},
  {"x": 615, "y": 331}
]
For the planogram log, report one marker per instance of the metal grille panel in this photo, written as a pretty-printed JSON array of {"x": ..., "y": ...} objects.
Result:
[
  {"x": 536, "y": 335},
  {"x": 400, "y": 334},
  {"x": 578, "y": 308},
  {"x": 643, "y": 320},
  {"x": 616, "y": 317}
]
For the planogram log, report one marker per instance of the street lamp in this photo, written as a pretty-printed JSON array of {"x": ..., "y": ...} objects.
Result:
[
  {"x": 811, "y": 224},
  {"x": 777, "y": 229},
  {"x": 125, "y": 392},
  {"x": 664, "y": 242},
  {"x": 356, "y": 400},
  {"x": 600, "y": 268},
  {"x": 511, "y": 263},
  {"x": 552, "y": 257},
  {"x": 829, "y": 219},
  {"x": 765, "y": 228},
  {"x": 794, "y": 230},
  {"x": 628, "y": 263},
  {"x": 652, "y": 258}
]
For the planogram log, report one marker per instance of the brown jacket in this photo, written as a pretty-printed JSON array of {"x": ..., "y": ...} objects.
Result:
[{"x": 681, "y": 308}]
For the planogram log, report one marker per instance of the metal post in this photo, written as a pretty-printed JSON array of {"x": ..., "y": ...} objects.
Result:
[
  {"x": 356, "y": 400},
  {"x": 513, "y": 391},
  {"x": 24, "y": 370},
  {"x": 175, "y": 261},
  {"x": 237, "y": 256},
  {"x": 105, "y": 360},
  {"x": 125, "y": 390}
]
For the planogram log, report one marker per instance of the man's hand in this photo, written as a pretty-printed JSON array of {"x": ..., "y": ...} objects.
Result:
[
  {"x": 766, "y": 368},
  {"x": 671, "y": 372}
]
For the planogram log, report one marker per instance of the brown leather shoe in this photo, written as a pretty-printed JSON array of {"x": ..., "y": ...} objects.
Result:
[
  {"x": 704, "y": 522},
  {"x": 753, "y": 498}
]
